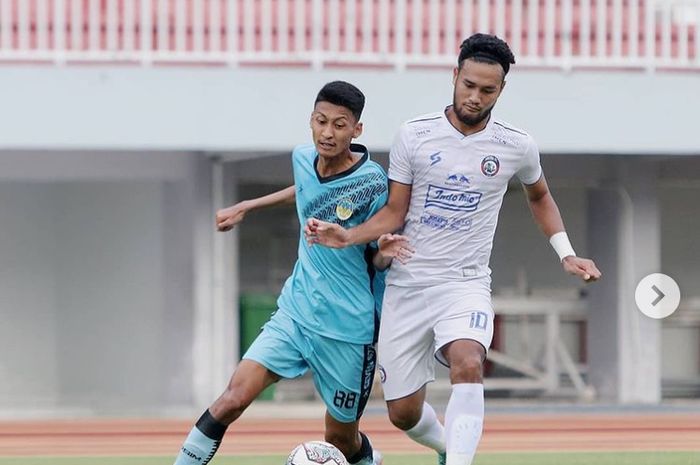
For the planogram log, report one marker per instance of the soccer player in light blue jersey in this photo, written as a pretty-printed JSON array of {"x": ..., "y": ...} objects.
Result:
[{"x": 328, "y": 318}]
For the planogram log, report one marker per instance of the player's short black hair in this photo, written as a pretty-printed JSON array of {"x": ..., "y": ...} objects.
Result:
[
  {"x": 486, "y": 48},
  {"x": 343, "y": 94}
]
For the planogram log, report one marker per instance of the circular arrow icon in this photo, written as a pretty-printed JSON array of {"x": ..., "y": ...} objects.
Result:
[{"x": 657, "y": 295}]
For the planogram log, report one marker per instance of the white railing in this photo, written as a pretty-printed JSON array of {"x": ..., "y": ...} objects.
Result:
[{"x": 649, "y": 34}]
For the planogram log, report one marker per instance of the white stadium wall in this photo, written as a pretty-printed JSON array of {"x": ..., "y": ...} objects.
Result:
[
  {"x": 247, "y": 110},
  {"x": 101, "y": 278},
  {"x": 111, "y": 277}
]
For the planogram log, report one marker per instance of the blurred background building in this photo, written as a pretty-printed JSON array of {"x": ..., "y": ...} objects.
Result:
[{"x": 125, "y": 124}]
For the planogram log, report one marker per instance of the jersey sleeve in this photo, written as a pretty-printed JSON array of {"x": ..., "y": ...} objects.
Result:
[
  {"x": 530, "y": 171},
  {"x": 400, "y": 156},
  {"x": 296, "y": 153},
  {"x": 378, "y": 201}
]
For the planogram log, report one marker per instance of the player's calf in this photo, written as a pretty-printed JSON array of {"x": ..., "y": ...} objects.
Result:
[
  {"x": 231, "y": 405},
  {"x": 405, "y": 413}
]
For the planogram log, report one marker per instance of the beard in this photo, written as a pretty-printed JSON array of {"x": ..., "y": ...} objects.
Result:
[
  {"x": 471, "y": 119},
  {"x": 468, "y": 118}
]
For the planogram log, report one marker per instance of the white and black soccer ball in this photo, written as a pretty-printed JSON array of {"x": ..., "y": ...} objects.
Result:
[{"x": 316, "y": 453}]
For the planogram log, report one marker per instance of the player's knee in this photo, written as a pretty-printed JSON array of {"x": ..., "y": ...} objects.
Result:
[
  {"x": 467, "y": 369},
  {"x": 403, "y": 418}
]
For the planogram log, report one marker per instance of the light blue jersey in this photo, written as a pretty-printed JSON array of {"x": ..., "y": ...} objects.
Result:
[{"x": 330, "y": 290}]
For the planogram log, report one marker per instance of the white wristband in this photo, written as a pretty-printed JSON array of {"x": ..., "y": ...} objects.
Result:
[{"x": 562, "y": 246}]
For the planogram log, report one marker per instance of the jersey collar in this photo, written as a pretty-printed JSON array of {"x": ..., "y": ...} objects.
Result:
[
  {"x": 454, "y": 131},
  {"x": 355, "y": 148}
]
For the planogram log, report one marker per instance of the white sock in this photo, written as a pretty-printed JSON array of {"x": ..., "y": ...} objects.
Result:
[
  {"x": 464, "y": 420},
  {"x": 428, "y": 431}
]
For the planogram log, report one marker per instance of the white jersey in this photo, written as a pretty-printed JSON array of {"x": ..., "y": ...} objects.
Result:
[{"x": 458, "y": 183}]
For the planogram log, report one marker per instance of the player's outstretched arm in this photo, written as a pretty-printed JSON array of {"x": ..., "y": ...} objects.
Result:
[
  {"x": 227, "y": 218},
  {"x": 388, "y": 219},
  {"x": 392, "y": 246},
  {"x": 546, "y": 214}
]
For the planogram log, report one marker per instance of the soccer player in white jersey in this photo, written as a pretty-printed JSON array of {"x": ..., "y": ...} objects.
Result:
[{"x": 448, "y": 173}]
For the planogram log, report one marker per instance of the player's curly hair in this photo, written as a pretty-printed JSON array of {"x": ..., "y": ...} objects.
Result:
[
  {"x": 486, "y": 48},
  {"x": 343, "y": 94}
]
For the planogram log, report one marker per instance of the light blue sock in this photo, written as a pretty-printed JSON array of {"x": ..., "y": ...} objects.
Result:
[{"x": 199, "y": 448}]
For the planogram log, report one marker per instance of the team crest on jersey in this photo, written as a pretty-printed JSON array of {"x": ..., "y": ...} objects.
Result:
[
  {"x": 344, "y": 209},
  {"x": 490, "y": 165}
]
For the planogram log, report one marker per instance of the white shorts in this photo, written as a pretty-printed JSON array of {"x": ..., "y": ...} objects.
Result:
[{"x": 419, "y": 321}]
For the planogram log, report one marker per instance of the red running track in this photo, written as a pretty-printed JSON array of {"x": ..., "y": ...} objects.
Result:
[{"x": 502, "y": 433}]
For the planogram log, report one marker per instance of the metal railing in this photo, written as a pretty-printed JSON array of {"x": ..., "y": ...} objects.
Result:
[{"x": 647, "y": 34}]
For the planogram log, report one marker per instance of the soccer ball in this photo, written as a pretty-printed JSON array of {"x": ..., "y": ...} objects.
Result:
[{"x": 316, "y": 453}]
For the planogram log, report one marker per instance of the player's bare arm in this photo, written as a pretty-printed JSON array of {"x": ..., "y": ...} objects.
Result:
[
  {"x": 387, "y": 220},
  {"x": 392, "y": 246},
  {"x": 227, "y": 218},
  {"x": 546, "y": 214}
]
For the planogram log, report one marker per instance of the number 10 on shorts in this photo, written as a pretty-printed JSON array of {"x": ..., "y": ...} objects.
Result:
[{"x": 478, "y": 320}]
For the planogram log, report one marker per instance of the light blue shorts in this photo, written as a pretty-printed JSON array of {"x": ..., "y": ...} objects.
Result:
[{"x": 342, "y": 372}]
